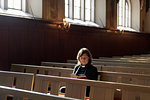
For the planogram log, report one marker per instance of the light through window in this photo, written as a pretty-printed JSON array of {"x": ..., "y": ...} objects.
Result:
[
  {"x": 67, "y": 8},
  {"x": 123, "y": 13},
  {"x": 14, "y": 4},
  {"x": 77, "y": 9},
  {"x": 87, "y": 10},
  {"x": 127, "y": 15}
]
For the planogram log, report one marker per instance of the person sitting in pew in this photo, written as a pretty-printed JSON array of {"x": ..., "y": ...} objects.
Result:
[{"x": 84, "y": 68}]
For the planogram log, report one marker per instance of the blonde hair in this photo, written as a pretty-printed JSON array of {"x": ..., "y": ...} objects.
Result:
[{"x": 84, "y": 51}]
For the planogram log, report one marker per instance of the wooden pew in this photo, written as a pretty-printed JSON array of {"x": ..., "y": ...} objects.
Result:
[
  {"x": 7, "y": 93},
  {"x": 129, "y": 78},
  {"x": 138, "y": 60},
  {"x": 117, "y": 63},
  {"x": 63, "y": 65},
  {"x": 126, "y": 64},
  {"x": 76, "y": 88},
  {"x": 72, "y": 61},
  {"x": 136, "y": 70},
  {"x": 56, "y": 71},
  {"x": 123, "y": 60},
  {"x": 54, "y": 83},
  {"x": 139, "y": 79},
  {"x": 57, "y": 64},
  {"x": 127, "y": 59},
  {"x": 145, "y": 55},
  {"x": 16, "y": 80}
]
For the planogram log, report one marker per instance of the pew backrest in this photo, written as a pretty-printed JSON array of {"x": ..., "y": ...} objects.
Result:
[
  {"x": 103, "y": 67},
  {"x": 135, "y": 70},
  {"x": 130, "y": 78},
  {"x": 56, "y": 71},
  {"x": 7, "y": 93},
  {"x": 99, "y": 90},
  {"x": 117, "y": 63},
  {"x": 126, "y": 60},
  {"x": 57, "y": 64},
  {"x": 125, "y": 64},
  {"x": 16, "y": 79}
]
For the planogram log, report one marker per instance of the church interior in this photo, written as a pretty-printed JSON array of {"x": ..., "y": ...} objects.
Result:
[{"x": 39, "y": 42}]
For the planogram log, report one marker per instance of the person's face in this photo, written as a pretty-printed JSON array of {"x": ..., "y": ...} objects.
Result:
[{"x": 84, "y": 59}]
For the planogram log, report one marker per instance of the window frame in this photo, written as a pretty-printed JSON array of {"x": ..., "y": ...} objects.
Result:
[
  {"x": 82, "y": 10},
  {"x": 68, "y": 9},
  {"x": 123, "y": 16},
  {"x": 20, "y": 7},
  {"x": 89, "y": 10},
  {"x": 79, "y": 10},
  {"x": 0, "y": 3}
]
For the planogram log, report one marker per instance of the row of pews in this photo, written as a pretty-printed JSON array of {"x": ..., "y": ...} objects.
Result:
[
  {"x": 103, "y": 75},
  {"x": 126, "y": 69},
  {"x": 20, "y": 86},
  {"x": 8, "y": 93},
  {"x": 127, "y": 61},
  {"x": 114, "y": 83},
  {"x": 76, "y": 88}
]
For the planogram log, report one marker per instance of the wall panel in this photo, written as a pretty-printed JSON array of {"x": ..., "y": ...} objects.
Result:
[{"x": 31, "y": 41}]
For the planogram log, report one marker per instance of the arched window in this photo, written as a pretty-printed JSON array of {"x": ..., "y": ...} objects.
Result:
[
  {"x": 124, "y": 13},
  {"x": 127, "y": 15},
  {"x": 77, "y": 9},
  {"x": 15, "y": 4}
]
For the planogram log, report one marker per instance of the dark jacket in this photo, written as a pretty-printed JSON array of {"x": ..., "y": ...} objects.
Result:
[{"x": 89, "y": 71}]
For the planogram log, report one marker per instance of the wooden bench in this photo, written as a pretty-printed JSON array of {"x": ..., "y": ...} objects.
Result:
[
  {"x": 132, "y": 60},
  {"x": 128, "y": 64},
  {"x": 16, "y": 80},
  {"x": 63, "y": 65},
  {"x": 72, "y": 61},
  {"x": 127, "y": 60},
  {"x": 46, "y": 70},
  {"x": 136, "y": 70},
  {"x": 76, "y": 88},
  {"x": 103, "y": 75},
  {"x": 57, "y": 64},
  {"x": 7, "y": 93},
  {"x": 129, "y": 78},
  {"x": 116, "y": 63}
]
